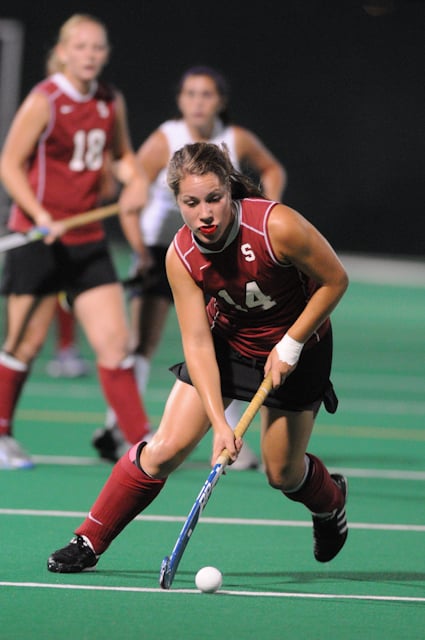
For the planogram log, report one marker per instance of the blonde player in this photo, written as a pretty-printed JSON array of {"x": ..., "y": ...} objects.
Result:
[{"x": 51, "y": 165}]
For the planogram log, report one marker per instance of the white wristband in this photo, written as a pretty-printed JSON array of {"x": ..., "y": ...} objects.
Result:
[{"x": 289, "y": 350}]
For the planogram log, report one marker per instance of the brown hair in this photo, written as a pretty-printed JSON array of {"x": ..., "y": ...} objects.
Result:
[
  {"x": 53, "y": 64},
  {"x": 221, "y": 85},
  {"x": 201, "y": 158}
]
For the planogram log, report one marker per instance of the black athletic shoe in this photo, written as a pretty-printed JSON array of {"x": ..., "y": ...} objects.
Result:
[
  {"x": 330, "y": 534},
  {"x": 75, "y": 557},
  {"x": 109, "y": 443}
]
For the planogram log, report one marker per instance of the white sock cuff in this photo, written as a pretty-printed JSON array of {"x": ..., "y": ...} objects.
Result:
[
  {"x": 307, "y": 463},
  {"x": 12, "y": 363},
  {"x": 127, "y": 362},
  {"x": 110, "y": 418},
  {"x": 142, "y": 368}
]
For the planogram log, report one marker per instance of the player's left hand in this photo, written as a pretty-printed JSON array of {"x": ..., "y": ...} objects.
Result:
[
  {"x": 280, "y": 370},
  {"x": 225, "y": 439},
  {"x": 56, "y": 230}
]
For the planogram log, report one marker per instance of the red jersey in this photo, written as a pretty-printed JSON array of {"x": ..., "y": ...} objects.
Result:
[
  {"x": 255, "y": 298},
  {"x": 65, "y": 169}
]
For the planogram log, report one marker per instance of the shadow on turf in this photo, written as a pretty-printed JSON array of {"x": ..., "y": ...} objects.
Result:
[
  {"x": 277, "y": 579},
  {"x": 310, "y": 577}
]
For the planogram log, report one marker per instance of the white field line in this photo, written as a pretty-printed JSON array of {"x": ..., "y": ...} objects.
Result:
[
  {"x": 69, "y": 460},
  {"x": 383, "y": 407},
  {"x": 353, "y": 382},
  {"x": 221, "y": 592},
  {"x": 385, "y": 382},
  {"x": 254, "y": 522},
  {"x": 379, "y": 406},
  {"x": 384, "y": 474},
  {"x": 378, "y": 270}
]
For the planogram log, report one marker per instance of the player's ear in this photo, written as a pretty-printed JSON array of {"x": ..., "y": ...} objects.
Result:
[
  {"x": 107, "y": 56},
  {"x": 60, "y": 54}
]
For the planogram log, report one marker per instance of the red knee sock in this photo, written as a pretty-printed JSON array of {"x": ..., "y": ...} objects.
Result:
[
  {"x": 120, "y": 389},
  {"x": 126, "y": 493},
  {"x": 319, "y": 493},
  {"x": 11, "y": 383}
]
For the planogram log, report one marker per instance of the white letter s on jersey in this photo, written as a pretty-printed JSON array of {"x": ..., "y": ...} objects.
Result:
[{"x": 248, "y": 252}]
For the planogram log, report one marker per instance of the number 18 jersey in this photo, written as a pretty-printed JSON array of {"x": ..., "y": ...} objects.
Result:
[{"x": 66, "y": 166}]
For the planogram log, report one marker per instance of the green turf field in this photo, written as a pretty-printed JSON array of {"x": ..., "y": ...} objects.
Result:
[{"x": 272, "y": 587}]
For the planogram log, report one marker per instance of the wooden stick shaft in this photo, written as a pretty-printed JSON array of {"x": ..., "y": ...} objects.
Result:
[
  {"x": 18, "y": 239},
  {"x": 170, "y": 564},
  {"x": 91, "y": 216},
  {"x": 249, "y": 414}
]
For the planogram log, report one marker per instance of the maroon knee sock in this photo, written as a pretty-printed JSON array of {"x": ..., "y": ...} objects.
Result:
[
  {"x": 126, "y": 493},
  {"x": 11, "y": 382},
  {"x": 319, "y": 492},
  {"x": 120, "y": 389}
]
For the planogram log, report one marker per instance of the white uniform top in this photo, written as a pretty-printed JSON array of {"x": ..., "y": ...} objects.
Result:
[{"x": 161, "y": 217}]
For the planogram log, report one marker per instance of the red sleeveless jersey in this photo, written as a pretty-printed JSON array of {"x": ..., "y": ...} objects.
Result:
[
  {"x": 254, "y": 297},
  {"x": 65, "y": 168}
]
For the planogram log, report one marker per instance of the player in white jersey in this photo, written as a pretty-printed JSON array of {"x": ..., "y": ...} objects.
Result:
[
  {"x": 161, "y": 218},
  {"x": 202, "y": 101}
]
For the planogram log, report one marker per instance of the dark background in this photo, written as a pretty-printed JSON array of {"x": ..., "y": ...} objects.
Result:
[{"x": 335, "y": 93}]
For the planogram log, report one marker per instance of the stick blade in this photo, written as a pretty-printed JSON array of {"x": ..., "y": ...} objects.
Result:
[
  {"x": 12, "y": 241},
  {"x": 18, "y": 239},
  {"x": 165, "y": 577}
]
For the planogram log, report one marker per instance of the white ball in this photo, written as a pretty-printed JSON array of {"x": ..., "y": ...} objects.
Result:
[{"x": 208, "y": 579}]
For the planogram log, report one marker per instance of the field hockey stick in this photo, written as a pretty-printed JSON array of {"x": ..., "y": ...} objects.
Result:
[
  {"x": 170, "y": 563},
  {"x": 14, "y": 240}
]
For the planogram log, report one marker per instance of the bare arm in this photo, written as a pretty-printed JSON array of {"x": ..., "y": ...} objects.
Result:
[
  {"x": 199, "y": 350},
  {"x": 28, "y": 124},
  {"x": 153, "y": 154},
  {"x": 272, "y": 173},
  {"x": 151, "y": 158},
  {"x": 297, "y": 240}
]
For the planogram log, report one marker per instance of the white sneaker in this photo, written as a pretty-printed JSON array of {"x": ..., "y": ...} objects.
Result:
[
  {"x": 67, "y": 364},
  {"x": 245, "y": 460},
  {"x": 12, "y": 456}
]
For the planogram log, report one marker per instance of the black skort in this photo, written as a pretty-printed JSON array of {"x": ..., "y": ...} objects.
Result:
[
  {"x": 305, "y": 389},
  {"x": 39, "y": 269},
  {"x": 154, "y": 283}
]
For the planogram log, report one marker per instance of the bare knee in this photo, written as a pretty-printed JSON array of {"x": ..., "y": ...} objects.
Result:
[
  {"x": 284, "y": 476},
  {"x": 27, "y": 348},
  {"x": 160, "y": 457},
  {"x": 26, "y": 345},
  {"x": 111, "y": 349}
]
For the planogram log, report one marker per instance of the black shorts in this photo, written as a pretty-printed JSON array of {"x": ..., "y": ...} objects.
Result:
[
  {"x": 305, "y": 389},
  {"x": 155, "y": 281},
  {"x": 39, "y": 269}
]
